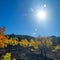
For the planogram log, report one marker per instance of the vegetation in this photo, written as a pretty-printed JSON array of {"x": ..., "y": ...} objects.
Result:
[{"x": 40, "y": 45}]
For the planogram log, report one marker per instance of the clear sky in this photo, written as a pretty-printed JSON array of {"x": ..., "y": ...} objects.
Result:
[{"x": 18, "y": 16}]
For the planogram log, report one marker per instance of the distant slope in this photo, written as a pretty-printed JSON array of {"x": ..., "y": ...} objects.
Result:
[
  {"x": 20, "y": 37},
  {"x": 55, "y": 40}
]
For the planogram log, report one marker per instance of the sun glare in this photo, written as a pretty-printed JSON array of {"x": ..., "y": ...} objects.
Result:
[{"x": 41, "y": 15}]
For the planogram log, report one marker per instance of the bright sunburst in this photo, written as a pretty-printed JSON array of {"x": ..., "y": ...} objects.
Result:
[{"x": 41, "y": 14}]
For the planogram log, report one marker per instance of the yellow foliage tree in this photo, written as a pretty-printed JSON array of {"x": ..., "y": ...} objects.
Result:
[
  {"x": 7, "y": 56},
  {"x": 57, "y": 47},
  {"x": 24, "y": 43},
  {"x": 38, "y": 43},
  {"x": 47, "y": 42},
  {"x": 14, "y": 59},
  {"x": 13, "y": 41},
  {"x": 33, "y": 44}
]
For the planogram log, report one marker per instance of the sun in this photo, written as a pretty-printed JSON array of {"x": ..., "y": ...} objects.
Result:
[{"x": 41, "y": 15}]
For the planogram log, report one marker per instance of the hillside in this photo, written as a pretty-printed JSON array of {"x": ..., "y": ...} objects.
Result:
[
  {"x": 55, "y": 40},
  {"x": 20, "y": 37}
]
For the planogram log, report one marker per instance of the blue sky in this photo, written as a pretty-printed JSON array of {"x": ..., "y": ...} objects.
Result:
[{"x": 18, "y": 18}]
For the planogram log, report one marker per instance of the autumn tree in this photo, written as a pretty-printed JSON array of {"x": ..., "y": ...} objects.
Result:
[
  {"x": 3, "y": 38},
  {"x": 13, "y": 41},
  {"x": 7, "y": 56},
  {"x": 57, "y": 47},
  {"x": 38, "y": 41},
  {"x": 24, "y": 43},
  {"x": 33, "y": 44},
  {"x": 46, "y": 44}
]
